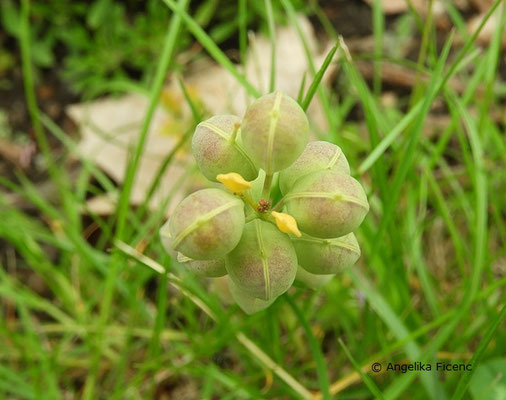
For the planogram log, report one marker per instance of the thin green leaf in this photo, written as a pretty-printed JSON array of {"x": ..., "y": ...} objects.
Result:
[
  {"x": 210, "y": 46},
  {"x": 365, "y": 378},
  {"x": 321, "y": 367},
  {"x": 318, "y": 78},
  {"x": 478, "y": 354}
]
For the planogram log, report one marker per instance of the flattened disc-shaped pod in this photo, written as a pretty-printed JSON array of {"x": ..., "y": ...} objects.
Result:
[
  {"x": 264, "y": 263},
  {"x": 203, "y": 268},
  {"x": 274, "y": 131},
  {"x": 166, "y": 240},
  {"x": 327, "y": 204},
  {"x": 312, "y": 281},
  {"x": 248, "y": 304},
  {"x": 207, "y": 224},
  {"x": 221, "y": 287},
  {"x": 326, "y": 256},
  {"x": 317, "y": 156},
  {"x": 216, "y": 151}
]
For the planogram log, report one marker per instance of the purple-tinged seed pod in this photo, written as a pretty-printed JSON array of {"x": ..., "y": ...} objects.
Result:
[
  {"x": 264, "y": 263},
  {"x": 327, "y": 204},
  {"x": 249, "y": 304},
  {"x": 221, "y": 287},
  {"x": 216, "y": 150},
  {"x": 312, "y": 281},
  {"x": 207, "y": 224},
  {"x": 166, "y": 240},
  {"x": 274, "y": 131},
  {"x": 317, "y": 156},
  {"x": 326, "y": 256},
  {"x": 203, "y": 268}
]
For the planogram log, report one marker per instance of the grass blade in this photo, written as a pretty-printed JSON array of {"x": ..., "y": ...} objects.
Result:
[
  {"x": 378, "y": 30},
  {"x": 124, "y": 200},
  {"x": 210, "y": 46},
  {"x": 466, "y": 377},
  {"x": 176, "y": 282},
  {"x": 397, "y": 328},
  {"x": 365, "y": 378},
  {"x": 300, "y": 93},
  {"x": 321, "y": 368},
  {"x": 387, "y": 141},
  {"x": 272, "y": 38},
  {"x": 318, "y": 78},
  {"x": 433, "y": 89}
]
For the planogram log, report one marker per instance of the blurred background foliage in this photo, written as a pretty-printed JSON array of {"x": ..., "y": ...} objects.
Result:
[{"x": 95, "y": 42}]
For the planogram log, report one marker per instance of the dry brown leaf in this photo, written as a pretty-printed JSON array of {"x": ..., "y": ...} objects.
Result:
[
  {"x": 482, "y": 5},
  {"x": 421, "y": 7},
  {"x": 19, "y": 155},
  {"x": 487, "y": 33},
  {"x": 220, "y": 92},
  {"x": 391, "y": 7},
  {"x": 109, "y": 130}
]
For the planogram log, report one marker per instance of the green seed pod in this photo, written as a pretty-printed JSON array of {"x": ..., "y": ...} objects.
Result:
[
  {"x": 166, "y": 240},
  {"x": 317, "y": 156},
  {"x": 216, "y": 151},
  {"x": 248, "y": 304},
  {"x": 264, "y": 263},
  {"x": 207, "y": 224},
  {"x": 274, "y": 131},
  {"x": 327, "y": 204},
  {"x": 221, "y": 287},
  {"x": 312, "y": 281},
  {"x": 204, "y": 268},
  {"x": 326, "y": 256}
]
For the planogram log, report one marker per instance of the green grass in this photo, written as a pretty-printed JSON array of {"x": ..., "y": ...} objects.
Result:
[{"x": 100, "y": 319}]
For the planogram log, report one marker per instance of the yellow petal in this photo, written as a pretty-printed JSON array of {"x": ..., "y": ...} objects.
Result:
[
  {"x": 286, "y": 223},
  {"x": 234, "y": 182}
]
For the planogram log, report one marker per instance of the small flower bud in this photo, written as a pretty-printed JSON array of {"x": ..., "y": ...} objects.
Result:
[
  {"x": 286, "y": 223},
  {"x": 234, "y": 182}
]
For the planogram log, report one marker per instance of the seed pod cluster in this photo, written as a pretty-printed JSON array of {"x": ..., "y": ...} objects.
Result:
[{"x": 236, "y": 235}]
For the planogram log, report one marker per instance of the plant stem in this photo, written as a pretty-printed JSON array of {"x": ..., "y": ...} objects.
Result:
[
  {"x": 234, "y": 133},
  {"x": 266, "y": 192},
  {"x": 272, "y": 37},
  {"x": 246, "y": 197},
  {"x": 28, "y": 82}
]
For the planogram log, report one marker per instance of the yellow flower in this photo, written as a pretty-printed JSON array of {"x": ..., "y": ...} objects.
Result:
[
  {"x": 234, "y": 182},
  {"x": 286, "y": 223}
]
